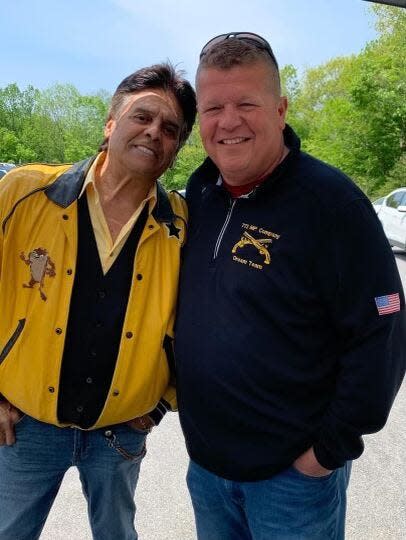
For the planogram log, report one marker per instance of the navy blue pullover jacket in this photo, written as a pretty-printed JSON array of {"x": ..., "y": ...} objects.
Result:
[{"x": 280, "y": 345}]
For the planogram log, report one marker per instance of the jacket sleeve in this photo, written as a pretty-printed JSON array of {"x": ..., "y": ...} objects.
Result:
[
  {"x": 168, "y": 401},
  {"x": 359, "y": 268}
]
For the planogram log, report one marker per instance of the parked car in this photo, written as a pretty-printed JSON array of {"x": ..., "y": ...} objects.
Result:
[
  {"x": 5, "y": 167},
  {"x": 378, "y": 203},
  {"x": 391, "y": 212}
]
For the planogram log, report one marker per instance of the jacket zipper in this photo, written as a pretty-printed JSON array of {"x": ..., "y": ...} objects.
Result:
[{"x": 223, "y": 229}]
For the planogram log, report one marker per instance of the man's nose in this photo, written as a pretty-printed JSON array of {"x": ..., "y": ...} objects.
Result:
[
  {"x": 229, "y": 119},
  {"x": 154, "y": 130}
]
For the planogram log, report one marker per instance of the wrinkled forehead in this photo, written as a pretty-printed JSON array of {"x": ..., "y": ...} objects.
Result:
[{"x": 154, "y": 100}]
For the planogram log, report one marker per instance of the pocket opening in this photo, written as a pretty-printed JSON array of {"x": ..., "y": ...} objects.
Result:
[{"x": 11, "y": 342}]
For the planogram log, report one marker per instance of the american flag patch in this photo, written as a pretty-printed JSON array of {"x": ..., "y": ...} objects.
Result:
[{"x": 389, "y": 303}]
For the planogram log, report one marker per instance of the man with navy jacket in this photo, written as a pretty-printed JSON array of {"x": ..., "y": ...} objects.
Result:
[{"x": 291, "y": 319}]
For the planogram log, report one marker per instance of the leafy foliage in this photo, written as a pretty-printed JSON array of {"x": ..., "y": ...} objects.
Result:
[
  {"x": 351, "y": 111},
  {"x": 189, "y": 157},
  {"x": 57, "y": 125}
]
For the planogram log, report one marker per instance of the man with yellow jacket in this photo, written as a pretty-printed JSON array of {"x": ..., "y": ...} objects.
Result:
[{"x": 89, "y": 262}]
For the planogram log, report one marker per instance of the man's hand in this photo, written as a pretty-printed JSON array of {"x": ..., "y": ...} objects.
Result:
[
  {"x": 308, "y": 465},
  {"x": 9, "y": 415},
  {"x": 144, "y": 423}
]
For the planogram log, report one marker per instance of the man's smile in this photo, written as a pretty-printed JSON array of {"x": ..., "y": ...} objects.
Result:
[
  {"x": 145, "y": 150},
  {"x": 235, "y": 140}
]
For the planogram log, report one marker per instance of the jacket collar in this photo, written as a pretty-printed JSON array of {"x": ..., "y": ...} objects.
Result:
[
  {"x": 163, "y": 210},
  {"x": 67, "y": 187}
]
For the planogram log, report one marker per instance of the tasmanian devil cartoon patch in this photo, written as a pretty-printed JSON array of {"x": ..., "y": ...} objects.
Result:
[{"x": 41, "y": 265}]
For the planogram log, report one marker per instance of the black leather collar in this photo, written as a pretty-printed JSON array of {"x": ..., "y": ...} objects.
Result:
[{"x": 67, "y": 187}]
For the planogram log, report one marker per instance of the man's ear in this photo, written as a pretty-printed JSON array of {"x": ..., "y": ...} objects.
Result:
[
  {"x": 108, "y": 127},
  {"x": 282, "y": 109}
]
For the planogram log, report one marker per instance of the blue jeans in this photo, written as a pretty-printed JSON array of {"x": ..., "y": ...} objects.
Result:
[
  {"x": 31, "y": 472},
  {"x": 288, "y": 506}
]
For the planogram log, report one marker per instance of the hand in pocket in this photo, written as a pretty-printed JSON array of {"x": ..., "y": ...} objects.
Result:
[{"x": 9, "y": 415}]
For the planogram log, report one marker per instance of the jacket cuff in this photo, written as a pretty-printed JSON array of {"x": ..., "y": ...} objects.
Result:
[
  {"x": 159, "y": 412},
  {"x": 333, "y": 458},
  {"x": 325, "y": 459}
]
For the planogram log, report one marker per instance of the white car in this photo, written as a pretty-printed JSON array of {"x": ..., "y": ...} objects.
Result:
[
  {"x": 391, "y": 212},
  {"x": 5, "y": 167}
]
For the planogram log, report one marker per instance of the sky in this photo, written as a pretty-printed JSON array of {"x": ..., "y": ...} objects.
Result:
[{"x": 94, "y": 44}]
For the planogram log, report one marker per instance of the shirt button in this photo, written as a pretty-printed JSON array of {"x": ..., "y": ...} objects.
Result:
[
  {"x": 69, "y": 271},
  {"x": 108, "y": 433},
  {"x": 139, "y": 277},
  {"x": 129, "y": 335},
  {"x": 58, "y": 331},
  {"x": 51, "y": 389},
  {"x": 79, "y": 408},
  {"x": 101, "y": 294},
  {"x": 115, "y": 393},
  {"x": 65, "y": 217},
  {"x": 89, "y": 380}
]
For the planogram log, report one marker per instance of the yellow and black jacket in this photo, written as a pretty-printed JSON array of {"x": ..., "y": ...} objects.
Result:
[{"x": 38, "y": 249}]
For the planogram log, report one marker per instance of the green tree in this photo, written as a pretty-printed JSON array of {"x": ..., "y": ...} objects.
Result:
[
  {"x": 351, "y": 111},
  {"x": 189, "y": 158},
  {"x": 55, "y": 125},
  {"x": 379, "y": 93}
]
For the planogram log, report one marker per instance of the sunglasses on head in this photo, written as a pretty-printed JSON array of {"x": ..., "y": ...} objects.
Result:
[{"x": 249, "y": 37}]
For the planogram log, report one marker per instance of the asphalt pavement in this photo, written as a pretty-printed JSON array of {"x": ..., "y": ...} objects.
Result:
[{"x": 376, "y": 497}]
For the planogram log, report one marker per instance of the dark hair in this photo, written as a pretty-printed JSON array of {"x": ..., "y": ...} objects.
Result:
[
  {"x": 238, "y": 52},
  {"x": 165, "y": 77}
]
